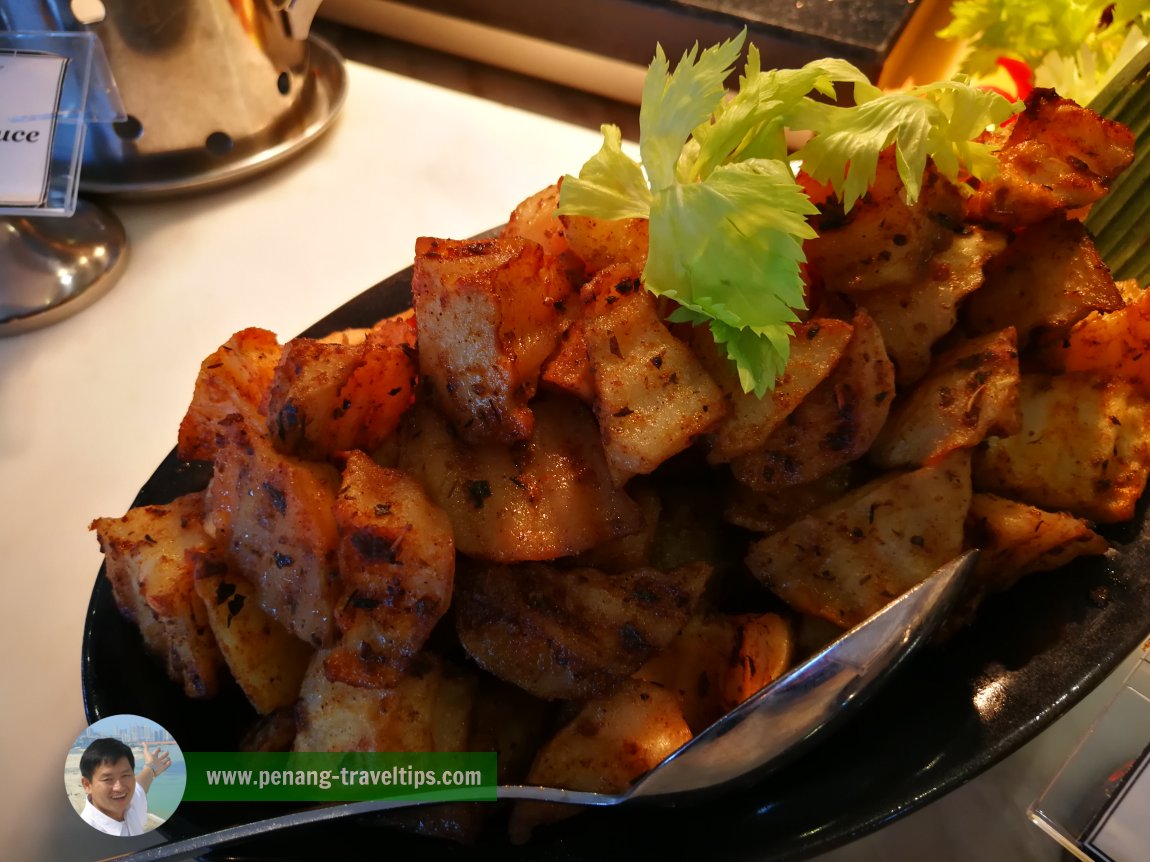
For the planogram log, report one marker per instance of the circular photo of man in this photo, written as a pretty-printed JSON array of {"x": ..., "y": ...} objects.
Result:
[{"x": 125, "y": 775}]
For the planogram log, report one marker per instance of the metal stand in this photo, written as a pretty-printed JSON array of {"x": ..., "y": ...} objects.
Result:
[{"x": 50, "y": 268}]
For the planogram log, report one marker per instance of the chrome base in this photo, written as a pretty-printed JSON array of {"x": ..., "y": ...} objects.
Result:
[
  {"x": 143, "y": 176},
  {"x": 50, "y": 268}
]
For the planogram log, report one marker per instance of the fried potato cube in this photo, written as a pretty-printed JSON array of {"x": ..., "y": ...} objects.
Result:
[
  {"x": 834, "y": 425},
  {"x": 653, "y": 397},
  {"x": 397, "y": 568},
  {"x": 234, "y": 379},
  {"x": 884, "y": 241},
  {"x": 1082, "y": 448},
  {"x": 1057, "y": 156},
  {"x": 548, "y": 497},
  {"x": 719, "y": 660},
  {"x": 488, "y": 314},
  {"x": 1045, "y": 281},
  {"x": 330, "y": 397},
  {"x": 568, "y": 369},
  {"x": 265, "y": 659},
  {"x": 816, "y": 347},
  {"x": 534, "y": 218},
  {"x": 599, "y": 243},
  {"x": 149, "y": 557},
  {"x": 1113, "y": 343},
  {"x": 970, "y": 393},
  {"x": 847, "y": 560},
  {"x": 428, "y": 709},
  {"x": 611, "y": 742},
  {"x": 571, "y": 633},
  {"x": 912, "y": 318},
  {"x": 272, "y": 517},
  {"x": 1016, "y": 539}
]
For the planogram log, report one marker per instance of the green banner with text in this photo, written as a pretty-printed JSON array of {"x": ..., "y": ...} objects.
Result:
[{"x": 308, "y": 776}]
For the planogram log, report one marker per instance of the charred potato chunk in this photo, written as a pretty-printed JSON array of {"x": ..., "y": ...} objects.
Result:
[
  {"x": 970, "y": 393},
  {"x": 1016, "y": 539},
  {"x": 845, "y": 561},
  {"x": 612, "y": 741},
  {"x": 329, "y": 397},
  {"x": 770, "y": 511},
  {"x": 1106, "y": 343},
  {"x": 397, "y": 568},
  {"x": 272, "y": 516},
  {"x": 234, "y": 379},
  {"x": 599, "y": 243},
  {"x": 568, "y": 369},
  {"x": 1047, "y": 280},
  {"x": 428, "y": 709},
  {"x": 834, "y": 425},
  {"x": 534, "y": 219},
  {"x": 488, "y": 314},
  {"x": 1082, "y": 448},
  {"x": 547, "y": 497},
  {"x": 816, "y": 347},
  {"x": 914, "y": 318},
  {"x": 884, "y": 241},
  {"x": 150, "y": 560},
  {"x": 653, "y": 397},
  {"x": 719, "y": 660},
  {"x": 1058, "y": 156},
  {"x": 266, "y": 660},
  {"x": 570, "y": 633}
]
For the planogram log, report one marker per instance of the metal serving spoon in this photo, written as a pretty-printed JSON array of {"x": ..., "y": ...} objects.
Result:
[{"x": 774, "y": 723}]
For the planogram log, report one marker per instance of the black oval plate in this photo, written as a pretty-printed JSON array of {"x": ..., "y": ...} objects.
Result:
[{"x": 951, "y": 713}]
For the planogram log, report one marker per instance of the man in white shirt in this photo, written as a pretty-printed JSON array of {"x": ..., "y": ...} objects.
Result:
[{"x": 117, "y": 796}]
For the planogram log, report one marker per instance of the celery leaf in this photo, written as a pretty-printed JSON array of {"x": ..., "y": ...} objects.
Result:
[
  {"x": 752, "y": 123},
  {"x": 675, "y": 104},
  {"x": 610, "y": 185},
  {"x": 759, "y": 353},
  {"x": 935, "y": 120},
  {"x": 730, "y": 246}
]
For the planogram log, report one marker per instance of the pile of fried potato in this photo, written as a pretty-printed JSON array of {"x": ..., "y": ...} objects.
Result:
[{"x": 530, "y": 515}]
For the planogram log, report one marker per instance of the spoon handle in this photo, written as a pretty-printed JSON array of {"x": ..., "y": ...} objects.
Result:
[{"x": 197, "y": 844}]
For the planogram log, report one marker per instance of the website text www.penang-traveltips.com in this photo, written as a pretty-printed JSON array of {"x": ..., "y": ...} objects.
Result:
[{"x": 323, "y": 779}]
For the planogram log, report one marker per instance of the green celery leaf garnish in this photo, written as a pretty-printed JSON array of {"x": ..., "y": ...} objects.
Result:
[
  {"x": 759, "y": 354},
  {"x": 675, "y": 104},
  {"x": 729, "y": 247},
  {"x": 611, "y": 184},
  {"x": 727, "y": 218},
  {"x": 933, "y": 120}
]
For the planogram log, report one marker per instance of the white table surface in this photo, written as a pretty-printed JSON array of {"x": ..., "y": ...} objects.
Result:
[{"x": 90, "y": 406}]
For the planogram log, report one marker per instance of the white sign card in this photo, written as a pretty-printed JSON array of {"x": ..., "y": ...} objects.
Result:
[{"x": 30, "y": 87}]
